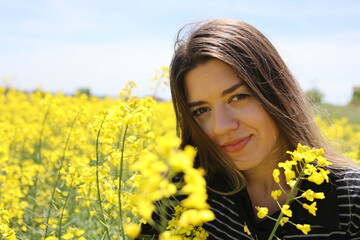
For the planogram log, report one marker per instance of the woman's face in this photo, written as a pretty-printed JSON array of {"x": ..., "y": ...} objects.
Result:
[{"x": 231, "y": 116}]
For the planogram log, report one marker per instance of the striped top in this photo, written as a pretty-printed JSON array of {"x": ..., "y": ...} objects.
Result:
[{"x": 337, "y": 217}]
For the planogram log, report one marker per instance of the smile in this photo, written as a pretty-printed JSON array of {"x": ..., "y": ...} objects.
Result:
[{"x": 236, "y": 145}]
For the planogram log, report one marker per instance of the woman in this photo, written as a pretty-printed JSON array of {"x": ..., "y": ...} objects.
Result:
[{"x": 238, "y": 104}]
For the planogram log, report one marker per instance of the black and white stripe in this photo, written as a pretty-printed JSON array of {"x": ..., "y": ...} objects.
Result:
[{"x": 231, "y": 214}]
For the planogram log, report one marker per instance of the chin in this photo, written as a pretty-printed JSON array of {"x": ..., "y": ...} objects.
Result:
[{"x": 243, "y": 166}]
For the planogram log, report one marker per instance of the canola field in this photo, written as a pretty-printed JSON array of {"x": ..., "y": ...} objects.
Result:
[{"x": 80, "y": 167}]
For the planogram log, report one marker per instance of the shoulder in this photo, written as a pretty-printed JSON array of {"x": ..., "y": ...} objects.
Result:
[
  {"x": 346, "y": 178},
  {"x": 347, "y": 183}
]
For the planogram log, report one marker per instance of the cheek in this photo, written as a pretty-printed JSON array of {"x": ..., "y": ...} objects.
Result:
[
  {"x": 271, "y": 129},
  {"x": 206, "y": 128},
  {"x": 264, "y": 122}
]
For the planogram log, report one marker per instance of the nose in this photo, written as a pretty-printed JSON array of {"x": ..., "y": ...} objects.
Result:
[{"x": 224, "y": 121}]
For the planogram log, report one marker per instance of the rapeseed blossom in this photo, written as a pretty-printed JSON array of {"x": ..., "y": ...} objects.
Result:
[
  {"x": 344, "y": 135},
  {"x": 246, "y": 230},
  {"x": 286, "y": 211},
  {"x": 312, "y": 208},
  {"x": 305, "y": 228},
  {"x": 186, "y": 223},
  {"x": 275, "y": 194},
  {"x": 262, "y": 212},
  {"x": 305, "y": 163},
  {"x": 6, "y": 232},
  {"x": 132, "y": 229},
  {"x": 67, "y": 164},
  {"x": 310, "y": 195},
  {"x": 276, "y": 174},
  {"x": 83, "y": 167}
]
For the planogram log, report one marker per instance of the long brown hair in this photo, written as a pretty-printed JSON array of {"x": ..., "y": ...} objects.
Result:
[{"x": 256, "y": 61}]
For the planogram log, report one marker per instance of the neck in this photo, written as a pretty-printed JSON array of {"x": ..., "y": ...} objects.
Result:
[
  {"x": 259, "y": 188},
  {"x": 261, "y": 175},
  {"x": 260, "y": 183},
  {"x": 261, "y": 178}
]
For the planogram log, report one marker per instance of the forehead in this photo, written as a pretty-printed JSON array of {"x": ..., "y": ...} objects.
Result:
[{"x": 209, "y": 79}]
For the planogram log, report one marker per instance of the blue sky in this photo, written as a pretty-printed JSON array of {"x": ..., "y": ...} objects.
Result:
[{"x": 101, "y": 45}]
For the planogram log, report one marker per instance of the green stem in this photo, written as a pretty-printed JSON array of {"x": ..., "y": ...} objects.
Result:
[
  {"x": 37, "y": 161},
  {"x": 38, "y": 157},
  {"x": 289, "y": 198},
  {"x": 63, "y": 209},
  {"x": 58, "y": 175},
  {"x": 163, "y": 213},
  {"x": 118, "y": 146},
  {"x": 120, "y": 179},
  {"x": 97, "y": 179}
]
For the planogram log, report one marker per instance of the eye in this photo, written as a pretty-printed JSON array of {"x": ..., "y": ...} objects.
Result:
[
  {"x": 239, "y": 97},
  {"x": 199, "y": 111}
]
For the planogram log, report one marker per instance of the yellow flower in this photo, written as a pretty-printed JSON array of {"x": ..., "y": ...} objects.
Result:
[
  {"x": 311, "y": 208},
  {"x": 68, "y": 235},
  {"x": 275, "y": 194},
  {"x": 262, "y": 212},
  {"x": 246, "y": 230},
  {"x": 325, "y": 174},
  {"x": 145, "y": 207},
  {"x": 195, "y": 217},
  {"x": 276, "y": 174},
  {"x": 6, "y": 232},
  {"x": 291, "y": 183},
  {"x": 316, "y": 177},
  {"x": 304, "y": 153},
  {"x": 305, "y": 228},
  {"x": 310, "y": 195},
  {"x": 287, "y": 165},
  {"x": 309, "y": 169},
  {"x": 319, "y": 195},
  {"x": 48, "y": 136},
  {"x": 323, "y": 162},
  {"x": 51, "y": 238},
  {"x": 188, "y": 223},
  {"x": 289, "y": 174},
  {"x": 132, "y": 229},
  {"x": 167, "y": 235},
  {"x": 284, "y": 220},
  {"x": 285, "y": 210}
]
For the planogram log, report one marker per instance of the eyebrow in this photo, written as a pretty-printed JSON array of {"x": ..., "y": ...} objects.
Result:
[
  {"x": 231, "y": 89},
  {"x": 224, "y": 93}
]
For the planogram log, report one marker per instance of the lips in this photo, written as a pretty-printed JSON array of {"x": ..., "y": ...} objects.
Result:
[{"x": 236, "y": 145}]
